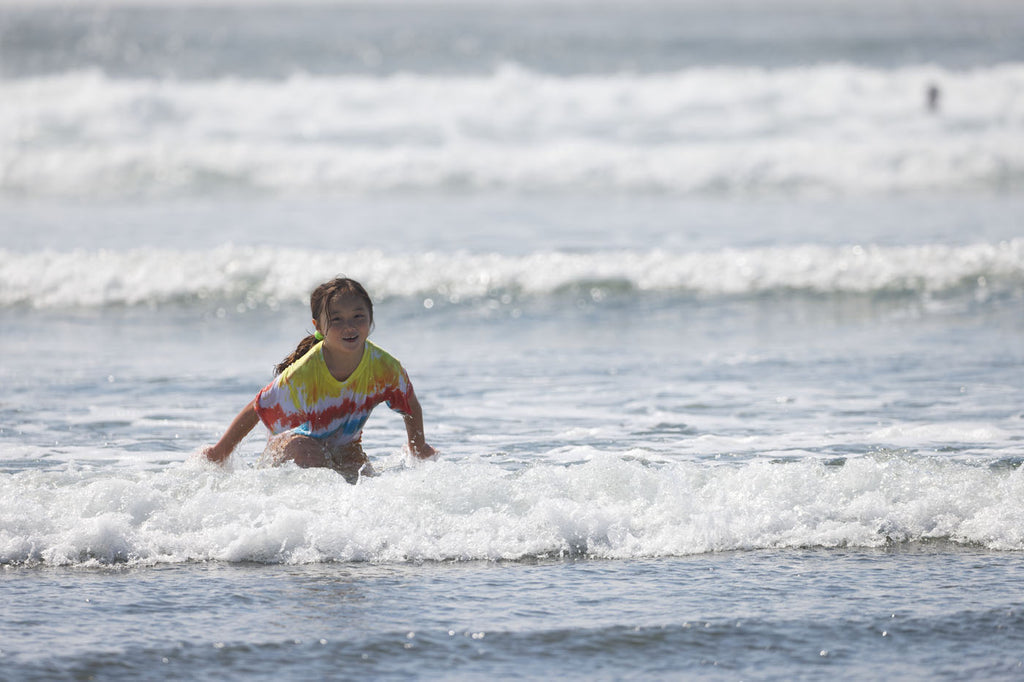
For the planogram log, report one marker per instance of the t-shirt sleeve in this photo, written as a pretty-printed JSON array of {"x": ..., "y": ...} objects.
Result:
[
  {"x": 399, "y": 394},
  {"x": 277, "y": 406}
]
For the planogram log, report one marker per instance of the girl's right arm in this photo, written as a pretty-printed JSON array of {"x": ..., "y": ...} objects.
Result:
[{"x": 240, "y": 427}]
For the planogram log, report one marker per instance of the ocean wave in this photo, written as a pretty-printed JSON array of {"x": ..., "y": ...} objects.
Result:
[
  {"x": 819, "y": 130},
  {"x": 608, "y": 507},
  {"x": 259, "y": 277}
]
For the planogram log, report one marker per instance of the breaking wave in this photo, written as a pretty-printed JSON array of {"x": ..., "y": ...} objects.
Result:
[
  {"x": 253, "y": 277},
  {"x": 827, "y": 130},
  {"x": 605, "y": 507}
]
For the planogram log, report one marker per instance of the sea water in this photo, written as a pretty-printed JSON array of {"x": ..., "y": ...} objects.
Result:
[{"x": 716, "y": 320}]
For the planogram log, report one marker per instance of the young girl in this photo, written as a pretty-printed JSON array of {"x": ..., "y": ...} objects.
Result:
[{"x": 325, "y": 390}]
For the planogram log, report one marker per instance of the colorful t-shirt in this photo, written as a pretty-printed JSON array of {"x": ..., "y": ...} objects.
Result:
[{"x": 307, "y": 399}]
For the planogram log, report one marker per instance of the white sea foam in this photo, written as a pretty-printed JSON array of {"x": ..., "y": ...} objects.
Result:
[
  {"x": 607, "y": 507},
  {"x": 833, "y": 129},
  {"x": 948, "y": 432},
  {"x": 248, "y": 277}
]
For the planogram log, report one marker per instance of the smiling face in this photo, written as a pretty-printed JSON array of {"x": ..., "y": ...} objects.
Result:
[{"x": 346, "y": 323}]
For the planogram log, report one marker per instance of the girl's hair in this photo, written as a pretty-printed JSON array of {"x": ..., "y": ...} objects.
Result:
[{"x": 318, "y": 302}]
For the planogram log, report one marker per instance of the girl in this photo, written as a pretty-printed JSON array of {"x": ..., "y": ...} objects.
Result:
[{"x": 325, "y": 390}]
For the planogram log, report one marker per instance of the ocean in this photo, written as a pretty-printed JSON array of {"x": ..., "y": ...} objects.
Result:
[{"x": 715, "y": 311}]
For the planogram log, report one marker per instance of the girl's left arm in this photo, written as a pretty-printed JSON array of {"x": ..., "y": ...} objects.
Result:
[{"x": 414, "y": 430}]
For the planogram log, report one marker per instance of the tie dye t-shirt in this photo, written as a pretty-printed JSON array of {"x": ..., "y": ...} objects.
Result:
[{"x": 307, "y": 399}]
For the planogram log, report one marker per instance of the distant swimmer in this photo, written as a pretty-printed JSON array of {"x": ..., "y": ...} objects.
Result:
[
  {"x": 324, "y": 391},
  {"x": 934, "y": 97}
]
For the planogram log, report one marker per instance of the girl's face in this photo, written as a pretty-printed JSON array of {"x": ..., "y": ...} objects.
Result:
[{"x": 346, "y": 323}]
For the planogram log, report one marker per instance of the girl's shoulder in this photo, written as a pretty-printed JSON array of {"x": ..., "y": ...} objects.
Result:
[{"x": 378, "y": 356}]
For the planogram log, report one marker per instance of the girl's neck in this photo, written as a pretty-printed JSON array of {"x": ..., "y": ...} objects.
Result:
[{"x": 342, "y": 364}]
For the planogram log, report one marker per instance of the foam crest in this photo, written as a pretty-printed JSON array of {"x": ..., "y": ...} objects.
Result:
[
  {"x": 833, "y": 129},
  {"x": 605, "y": 507},
  {"x": 250, "y": 277}
]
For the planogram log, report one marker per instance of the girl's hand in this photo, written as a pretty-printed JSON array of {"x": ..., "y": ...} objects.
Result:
[
  {"x": 211, "y": 453},
  {"x": 422, "y": 451}
]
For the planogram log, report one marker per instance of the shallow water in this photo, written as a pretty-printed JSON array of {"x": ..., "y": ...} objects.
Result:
[{"x": 934, "y": 610}]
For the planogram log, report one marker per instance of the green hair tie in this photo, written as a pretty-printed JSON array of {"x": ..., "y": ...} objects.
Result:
[{"x": 318, "y": 336}]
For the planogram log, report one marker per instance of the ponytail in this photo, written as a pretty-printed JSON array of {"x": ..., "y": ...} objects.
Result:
[
  {"x": 318, "y": 301},
  {"x": 300, "y": 350}
]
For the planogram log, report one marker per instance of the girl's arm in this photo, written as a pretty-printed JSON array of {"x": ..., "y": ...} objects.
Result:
[
  {"x": 240, "y": 427},
  {"x": 414, "y": 429}
]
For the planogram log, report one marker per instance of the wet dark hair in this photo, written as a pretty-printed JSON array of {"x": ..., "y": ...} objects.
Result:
[{"x": 318, "y": 302}]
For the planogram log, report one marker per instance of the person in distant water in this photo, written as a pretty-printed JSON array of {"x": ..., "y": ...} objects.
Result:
[
  {"x": 325, "y": 390},
  {"x": 934, "y": 98}
]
